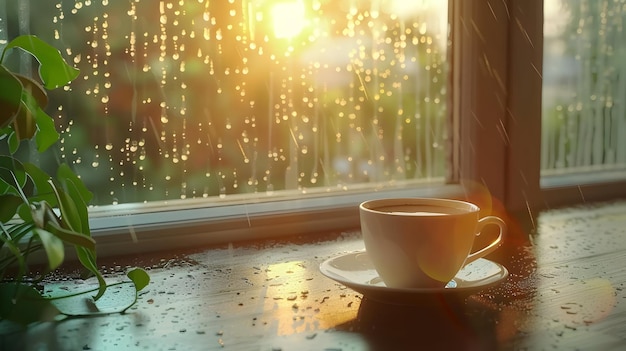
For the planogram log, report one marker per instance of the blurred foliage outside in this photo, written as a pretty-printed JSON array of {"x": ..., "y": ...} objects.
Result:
[
  {"x": 193, "y": 99},
  {"x": 584, "y": 86}
]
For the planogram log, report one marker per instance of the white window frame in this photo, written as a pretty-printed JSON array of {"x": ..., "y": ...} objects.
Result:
[{"x": 134, "y": 228}]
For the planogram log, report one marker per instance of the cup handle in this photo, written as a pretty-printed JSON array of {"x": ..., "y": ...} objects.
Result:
[{"x": 494, "y": 244}]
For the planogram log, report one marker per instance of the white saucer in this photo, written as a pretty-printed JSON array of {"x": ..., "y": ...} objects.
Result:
[{"x": 356, "y": 271}]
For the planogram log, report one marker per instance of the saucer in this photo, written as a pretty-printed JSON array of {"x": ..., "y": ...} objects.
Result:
[{"x": 356, "y": 271}]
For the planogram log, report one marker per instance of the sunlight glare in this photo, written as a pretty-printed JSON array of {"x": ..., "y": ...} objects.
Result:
[{"x": 288, "y": 19}]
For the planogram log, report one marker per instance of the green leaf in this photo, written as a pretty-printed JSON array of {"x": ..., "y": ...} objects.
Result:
[
  {"x": 4, "y": 132},
  {"x": 12, "y": 174},
  {"x": 45, "y": 218},
  {"x": 74, "y": 185},
  {"x": 73, "y": 238},
  {"x": 40, "y": 179},
  {"x": 33, "y": 88},
  {"x": 53, "y": 69},
  {"x": 33, "y": 119},
  {"x": 18, "y": 231},
  {"x": 78, "y": 195},
  {"x": 139, "y": 277},
  {"x": 11, "y": 243},
  {"x": 70, "y": 217},
  {"x": 31, "y": 114},
  {"x": 24, "y": 125},
  {"x": 23, "y": 304},
  {"x": 47, "y": 134},
  {"x": 53, "y": 246},
  {"x": 10, "y": 97},
  {"x": 8, "y": 206},
  {"x": 88, "y": 259},
  {"x": 14, "y": 142}
]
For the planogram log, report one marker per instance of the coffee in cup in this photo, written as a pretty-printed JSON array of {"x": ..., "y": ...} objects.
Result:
[{"x": 423, "y": 242}]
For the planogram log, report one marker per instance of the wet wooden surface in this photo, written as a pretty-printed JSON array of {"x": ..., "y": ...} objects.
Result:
[{"x": 565, "y": 292}]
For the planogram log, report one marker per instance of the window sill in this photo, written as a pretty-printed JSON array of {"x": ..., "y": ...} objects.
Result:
[
  {"x": 126, "y": 229},
  {"x": 583, "y": 185}
]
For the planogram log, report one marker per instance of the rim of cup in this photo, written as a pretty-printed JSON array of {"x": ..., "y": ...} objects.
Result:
[{"x": 463, "y": 206}]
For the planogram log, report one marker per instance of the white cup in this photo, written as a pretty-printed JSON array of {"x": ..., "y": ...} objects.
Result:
[{"x": 421, "y": 242}]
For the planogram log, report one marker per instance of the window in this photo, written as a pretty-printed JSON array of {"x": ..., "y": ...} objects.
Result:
[
  {"x": 196, "y": 113},
  {"x": 583, "y": 127},
  {"x": 198, "y": 99},
  {"x": 584, "y": 112},
  {"x": 499, "y": 65},
  {"x": 192, "y": 109}
]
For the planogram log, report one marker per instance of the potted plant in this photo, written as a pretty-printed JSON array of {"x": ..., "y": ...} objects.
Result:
[{"x": 39, "y": 212}]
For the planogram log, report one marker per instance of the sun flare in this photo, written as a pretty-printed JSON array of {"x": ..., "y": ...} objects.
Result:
[{"x": 288, "y": 19}]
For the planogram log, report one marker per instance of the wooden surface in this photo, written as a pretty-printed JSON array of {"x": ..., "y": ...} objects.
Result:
[{"x": 565, "y": 292}]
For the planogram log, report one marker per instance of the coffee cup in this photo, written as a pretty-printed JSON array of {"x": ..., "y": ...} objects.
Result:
[{"x": 423, "y": 242}]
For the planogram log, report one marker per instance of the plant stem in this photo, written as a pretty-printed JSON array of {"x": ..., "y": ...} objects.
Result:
[{"x": 52, "y": 298}]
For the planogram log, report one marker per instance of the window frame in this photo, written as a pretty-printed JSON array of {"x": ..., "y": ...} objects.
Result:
[
  {"x": 527, "y": 188},
  {"x": 135, "y": 228},
  {"x": 498, "y": 73}
]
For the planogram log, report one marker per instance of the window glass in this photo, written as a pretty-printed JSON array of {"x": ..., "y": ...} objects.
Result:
[
  {"x": 584, "y": 86},
  {"x": 196, "y": 98}
]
